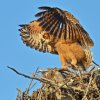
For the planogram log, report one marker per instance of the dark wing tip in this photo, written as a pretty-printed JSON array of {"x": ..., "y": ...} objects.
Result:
[
  {"x": 19, "y": 30},
  {"x": 23, "y": 25},
  {"x": 44, "y": 8},
  {"x": 39, "y": 14}
]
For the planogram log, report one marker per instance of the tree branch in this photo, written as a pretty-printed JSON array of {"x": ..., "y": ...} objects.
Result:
[{"x": 42, "y": 79}]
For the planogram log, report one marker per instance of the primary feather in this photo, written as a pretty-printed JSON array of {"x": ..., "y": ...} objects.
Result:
[{"x": 62, "y": 24}]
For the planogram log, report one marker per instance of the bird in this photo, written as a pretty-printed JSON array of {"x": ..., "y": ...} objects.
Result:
[{"x": 58, "y": 32}]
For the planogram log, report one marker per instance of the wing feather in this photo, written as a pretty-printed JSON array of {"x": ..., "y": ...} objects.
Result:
[
  {"x": 72, "y": 30},
  {"x": 32, "y": 36}
]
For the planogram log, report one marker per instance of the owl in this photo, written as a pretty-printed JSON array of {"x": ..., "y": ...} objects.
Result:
[{"x": 58, "y": 32}]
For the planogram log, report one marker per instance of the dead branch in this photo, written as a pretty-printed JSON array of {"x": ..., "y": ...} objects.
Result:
[
  {"x": 41, "y": 79},
  {"x": 26, "y": 76},
  {"x": 96, "y": 64}
]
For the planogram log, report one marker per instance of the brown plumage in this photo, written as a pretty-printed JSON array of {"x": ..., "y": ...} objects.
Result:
[
  {"x": 70, "y": 52},
  {"x": 34, "y": 36},
  {"x": 63, "y": 25},
  {"x": 73, "y": 54}
]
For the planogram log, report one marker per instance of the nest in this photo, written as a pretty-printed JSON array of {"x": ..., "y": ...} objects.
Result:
[{"x": 60, "y": 84}]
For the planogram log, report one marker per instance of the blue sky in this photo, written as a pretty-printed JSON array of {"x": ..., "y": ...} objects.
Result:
[{"x": 15, "y": 54}]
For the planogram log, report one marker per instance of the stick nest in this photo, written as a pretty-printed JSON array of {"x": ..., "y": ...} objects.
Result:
[{"x": 60, "y": 84}]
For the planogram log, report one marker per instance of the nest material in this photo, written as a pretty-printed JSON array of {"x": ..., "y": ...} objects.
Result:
[{"x": 66, "y": 85}]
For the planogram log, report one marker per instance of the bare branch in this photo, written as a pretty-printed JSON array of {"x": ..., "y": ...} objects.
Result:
[
  {"x": 96, "y": 64},
  {"x": 29, "y": 87},
  {"x": 42, "y": 79},
  {"x": 26, "y": 76}
]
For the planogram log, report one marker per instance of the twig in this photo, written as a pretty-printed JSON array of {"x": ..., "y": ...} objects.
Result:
[
  {"x": 26, "y": 76},
  {"x": 87, "y": 89},
  {"x": 42, "y": 79},
  {"x": 42, "y": 71},
  {"x": 92, "y": 68},
  {"x": 28, "y": 89},
  {"x": 19, "y": 91},
  {"x": 32, "y": 86},
  {"x": 96, "y": 64}
]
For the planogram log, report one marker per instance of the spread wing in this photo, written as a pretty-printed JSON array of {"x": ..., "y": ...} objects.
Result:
[
  {"x": 63, "y": 25},
  {"x": 34, "y": 37}
]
